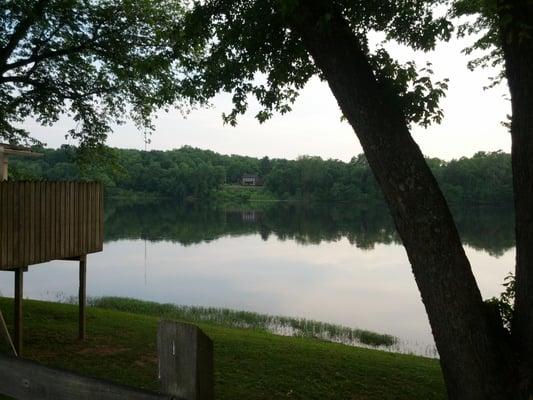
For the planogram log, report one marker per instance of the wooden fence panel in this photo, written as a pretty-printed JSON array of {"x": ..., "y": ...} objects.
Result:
[
  {"x": 3, "y": 226},
  {"x": 44, "y": 221}
]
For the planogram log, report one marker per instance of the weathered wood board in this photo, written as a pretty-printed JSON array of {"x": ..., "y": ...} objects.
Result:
[
  {"x": 44, "y": 221},
  {"x": 26, "y": 380},
  {"x": 185, "y": 361}
]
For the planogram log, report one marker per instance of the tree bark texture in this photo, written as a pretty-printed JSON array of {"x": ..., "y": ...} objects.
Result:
[
  {"x": 473, "y": 364},
  {"x": 516, "y": 26}
]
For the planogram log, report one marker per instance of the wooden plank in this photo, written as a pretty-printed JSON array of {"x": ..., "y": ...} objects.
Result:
[
  {"x": 52, "y": 211},
  {"x": 101, "y": 218},
  {"x": 42, "y": 219},
  {"x": 18, "y": 222},
  {"x": 37, "y": 223},
  {"x": 96, "y": 204},
  {"x": 61, "y": 220},
  {"x": 25, "y": 222},
  {"x": 31, "y": 228},
  {"x": 90, "y": 217},
  {"x": 46, "y": 219},
  {"x": 185, "y": 361},
  {"x": 51, "y": 221},
  {"x": 77, "y": 206},
  {"x": 96, "y": 216},
  {"x": 72, "y": 246},
  {"x": 66, "y": 220},
  {"x": 90, "y": 205},
  {"x": 9, "y": 223},
  {"x": 82, "y": 298},
  {"x": 56, "y": 204},
  {"x": 87, "y": 223},
  {"x": 65, "y": 212},
  {"x": 72, "y": 225},
  {"x": 83, "y": 223},
  {"x": 59, "y": 213},
  {"x": 17, "y": 219},
  {"x": 27, "y": 380},
  {"x": 22, "y": 225},
  {"x": 3, "y": 225},
  {"x": 16, "y": 225}
]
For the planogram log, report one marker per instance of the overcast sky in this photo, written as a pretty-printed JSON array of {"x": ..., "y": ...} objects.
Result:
[{"x": 472, "y": 121}]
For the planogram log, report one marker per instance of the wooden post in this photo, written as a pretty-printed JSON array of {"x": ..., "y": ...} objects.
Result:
[
  {"x": 82, "y": 298},
  {"x": 19, "y": 286},
  {"x": 185, "y": 361}
]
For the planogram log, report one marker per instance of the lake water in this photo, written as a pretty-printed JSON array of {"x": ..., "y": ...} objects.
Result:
[{"x": 338, "y": 264}]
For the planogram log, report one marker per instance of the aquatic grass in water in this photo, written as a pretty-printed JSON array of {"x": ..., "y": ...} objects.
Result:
[{"x": 285, "y": 326}]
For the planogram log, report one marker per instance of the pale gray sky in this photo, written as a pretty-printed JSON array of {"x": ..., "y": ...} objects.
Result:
[{"x": 472, "y": 121}]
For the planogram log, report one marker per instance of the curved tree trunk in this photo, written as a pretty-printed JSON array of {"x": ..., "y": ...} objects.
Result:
[
  {"x": 517, "y": 43},
  {"x": 472, "y": 361}
]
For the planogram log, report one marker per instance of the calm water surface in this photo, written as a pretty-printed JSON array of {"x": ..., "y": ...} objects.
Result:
[{"x": 343, "y": 265}]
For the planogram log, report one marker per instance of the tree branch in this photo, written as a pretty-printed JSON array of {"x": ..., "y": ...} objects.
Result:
[
  {"x": 20, "y": 79},
  {"x": 22, "y": 29},
  {"x": 47, "y": 55},
  {"x": 80, "y": 96}
]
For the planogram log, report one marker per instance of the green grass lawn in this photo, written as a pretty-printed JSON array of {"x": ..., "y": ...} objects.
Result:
[
  {"x": 240, "y": 196},
  {"x": 249, "y": 364}
]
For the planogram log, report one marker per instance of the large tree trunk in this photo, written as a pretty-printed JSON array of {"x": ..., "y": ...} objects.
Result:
[
  {"x": 472, "y": 360},
  {"x": 516, "y": 24}
]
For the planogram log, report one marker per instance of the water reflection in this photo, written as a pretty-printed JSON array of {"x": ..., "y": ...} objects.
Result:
[
  {"x": 343, "y": 265},
  {"x": 482, "y": 228}
]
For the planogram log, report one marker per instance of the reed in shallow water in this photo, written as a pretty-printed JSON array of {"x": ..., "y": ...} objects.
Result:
[{"x": 286, "y": 326}]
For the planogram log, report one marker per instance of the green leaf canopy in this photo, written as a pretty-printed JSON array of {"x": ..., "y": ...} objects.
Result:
[
  {"x": 246, "y": 48},
  {"x": 96, "y": 61}
]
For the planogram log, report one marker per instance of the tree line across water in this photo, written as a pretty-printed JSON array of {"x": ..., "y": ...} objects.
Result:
[
  {"x": 489, "y": 229},
  {"x": 195, "y": 174}
]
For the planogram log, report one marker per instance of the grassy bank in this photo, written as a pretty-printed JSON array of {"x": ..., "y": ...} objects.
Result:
[
  {"x": 285, "y": 326},
  {"x": 249, "y": 364}
]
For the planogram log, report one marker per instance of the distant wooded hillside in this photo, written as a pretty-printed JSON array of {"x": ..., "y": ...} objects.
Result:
[{"x": 191, "y": 173}]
